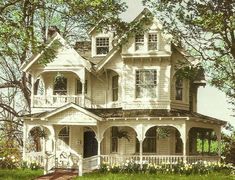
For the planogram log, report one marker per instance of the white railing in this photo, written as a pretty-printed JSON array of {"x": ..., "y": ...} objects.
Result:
[
  {"x": 157, "y": 159},
  {"x": 90, "y": 163},
  {"x": 59, "y": 100},
  {"x": 35, "y": 157},
  {"x": 49, "y": 163}
]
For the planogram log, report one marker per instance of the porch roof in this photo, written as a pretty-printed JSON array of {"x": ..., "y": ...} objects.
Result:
[
  {"x": 119, "y": 113},
  {"x": 47, "y": 114}
]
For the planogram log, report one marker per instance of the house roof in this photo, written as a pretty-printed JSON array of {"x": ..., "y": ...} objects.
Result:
[
  {"x": 56, "y": 36},
  {"x": 141, "y": 113},
  {"x": 47, "y": 114}
]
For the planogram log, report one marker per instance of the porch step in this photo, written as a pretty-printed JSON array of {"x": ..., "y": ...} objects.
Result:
[{"x": 59, "y": 174}]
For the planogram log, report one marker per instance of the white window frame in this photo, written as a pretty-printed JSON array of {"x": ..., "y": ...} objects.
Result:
[
  {"x": 104, "y": 43},
  {"x": 152, "y": 41},
  {"x": 139, "y": 42},
  {"x": 144, "y": 85}
]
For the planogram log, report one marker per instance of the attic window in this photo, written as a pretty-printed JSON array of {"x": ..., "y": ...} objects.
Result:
[
  {"x": 102, "y": 46},
  {"x": 139, "y": 42},
  {"x": 152, "y": 41}
]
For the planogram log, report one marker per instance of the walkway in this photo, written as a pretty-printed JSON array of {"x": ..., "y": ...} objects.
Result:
[{"x": 59, "y": 174}]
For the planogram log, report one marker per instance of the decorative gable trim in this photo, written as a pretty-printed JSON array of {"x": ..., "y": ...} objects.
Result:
[
  {"x": 26, "y": 66},
  {"x": 71, "y": 105}
]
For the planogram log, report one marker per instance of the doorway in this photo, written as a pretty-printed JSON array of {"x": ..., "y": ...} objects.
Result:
[{"x": 90, "y": 144}]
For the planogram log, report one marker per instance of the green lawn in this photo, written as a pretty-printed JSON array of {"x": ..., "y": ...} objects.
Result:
[
  {"x": 31, "y": 174},
  {"x": 214, "y": 176},
  {"x": 19, "y": 174}
]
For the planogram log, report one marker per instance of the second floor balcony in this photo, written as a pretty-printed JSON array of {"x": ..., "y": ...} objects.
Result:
[{"x": 43, "y": 101}]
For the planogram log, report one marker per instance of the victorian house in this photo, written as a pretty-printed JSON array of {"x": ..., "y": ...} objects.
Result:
[{"x": 109, "y": 102}]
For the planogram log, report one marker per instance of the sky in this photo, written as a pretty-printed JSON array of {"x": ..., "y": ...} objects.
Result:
[{"x": 211, "y": 101}]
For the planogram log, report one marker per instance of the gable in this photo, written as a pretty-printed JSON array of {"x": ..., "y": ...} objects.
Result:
[
  {"x": 72, "y": 116},
  {"x": 65, "y": 57}
]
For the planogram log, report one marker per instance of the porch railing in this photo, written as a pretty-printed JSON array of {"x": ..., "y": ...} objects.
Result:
[
  {"x": 90, "y": 163},
  {"x": 35, "y": 157},
  {"x": 59, "y": 100},
  {"x": 157, "y": 159}
]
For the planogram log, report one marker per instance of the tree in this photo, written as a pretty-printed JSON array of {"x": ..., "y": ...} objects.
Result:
[
  {"x": 24, "y": 28},
  {"x": 206, "y": 28}
]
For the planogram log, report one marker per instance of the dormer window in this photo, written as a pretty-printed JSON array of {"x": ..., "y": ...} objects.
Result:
[
  {"x": 139, "y": 42},
  {"x": 152, "y": 41},
  {"x": 102, "y": 45},
  {"x": 179, "y": 89}
]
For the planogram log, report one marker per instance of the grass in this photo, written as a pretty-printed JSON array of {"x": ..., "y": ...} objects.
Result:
[
  {"x": 19, "y": 174},
  {"x": 109, "y": 176}
]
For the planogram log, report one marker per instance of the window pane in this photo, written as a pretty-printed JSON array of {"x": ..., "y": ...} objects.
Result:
[
  {"x": 139, "y": 42},
  {"x": 115, "y": 88},
  {"x": 179, "y": 89},
  {"x": 102, "y": 45},
  {"x": 146, "y": 83},
  {"x": 152, "y": 41},
  {"x": 64, "y": 135}
]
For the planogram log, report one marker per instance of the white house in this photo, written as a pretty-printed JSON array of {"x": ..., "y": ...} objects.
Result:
[{"x": 110, "y": 102}]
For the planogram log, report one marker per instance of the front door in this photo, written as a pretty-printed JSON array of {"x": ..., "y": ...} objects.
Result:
[{"x": 90, "y": 144}]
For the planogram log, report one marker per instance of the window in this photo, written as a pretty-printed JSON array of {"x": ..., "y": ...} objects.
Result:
[
  {"x": 152, "y": 41},
  {"x": 179, "y": 89},
  {"x": 79, "y": 87},
  {"x": 139, "y": 42},
  {"x": 146, "y": 83},
  {"x": 64, "y": 135},
  {"x": 102, "y": 46},
  {"x": 178, "y": 143},
  {"x": 60, "y": 86},
  {"x": 115, "y": 88},
  {"x": 114, "y": 139},
  {"x": 149, "y": 144}
]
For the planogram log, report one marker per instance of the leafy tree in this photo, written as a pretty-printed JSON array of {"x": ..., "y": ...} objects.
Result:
[
  {"x": 24, "y": 27},
  {"x": 206, "y": 28}
]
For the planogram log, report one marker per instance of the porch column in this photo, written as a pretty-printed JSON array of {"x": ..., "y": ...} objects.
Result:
[
  {"x": 218, "y": 133},
  {"x": 99, "y": 153},
  {"x": 184, "y": 137},
  {"x": 141, "y": 154},
  {"x": 83, "y": 94},
  {"x": 32, "y": 91}
]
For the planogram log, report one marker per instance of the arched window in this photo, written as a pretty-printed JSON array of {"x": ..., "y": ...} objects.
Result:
[
  {"x": 179, "y": 89},
  {"x": 64, "y": 134},
  {"x": 60, "y": 86},
  {"x": 115, "y": 88}
]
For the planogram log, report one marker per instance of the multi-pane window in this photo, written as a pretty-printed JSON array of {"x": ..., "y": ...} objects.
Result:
[
  {"x": 114, "y": 139},
  {"x": 115, "y": 88},
  {"x": 146, "y": 83},
  {"x": 152, "y": 41},
  {"x": 179, "y": 89},
  {"x": 102, "y": 45},
  {"x": 64, "y": 134},
  {"x": 79, "y": 87},
  {"x": 60, "y": 86},
  {"x": 139, "y": 42}
]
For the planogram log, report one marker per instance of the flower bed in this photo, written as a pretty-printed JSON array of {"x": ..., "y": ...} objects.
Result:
[{"x": 200, "y": 167}]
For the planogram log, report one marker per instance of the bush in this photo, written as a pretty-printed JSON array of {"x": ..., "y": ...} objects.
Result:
[{"x": 200, "y": 167}]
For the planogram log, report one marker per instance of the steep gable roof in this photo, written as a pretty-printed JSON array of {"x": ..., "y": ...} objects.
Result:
[{"x": 26, "y": 66}]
